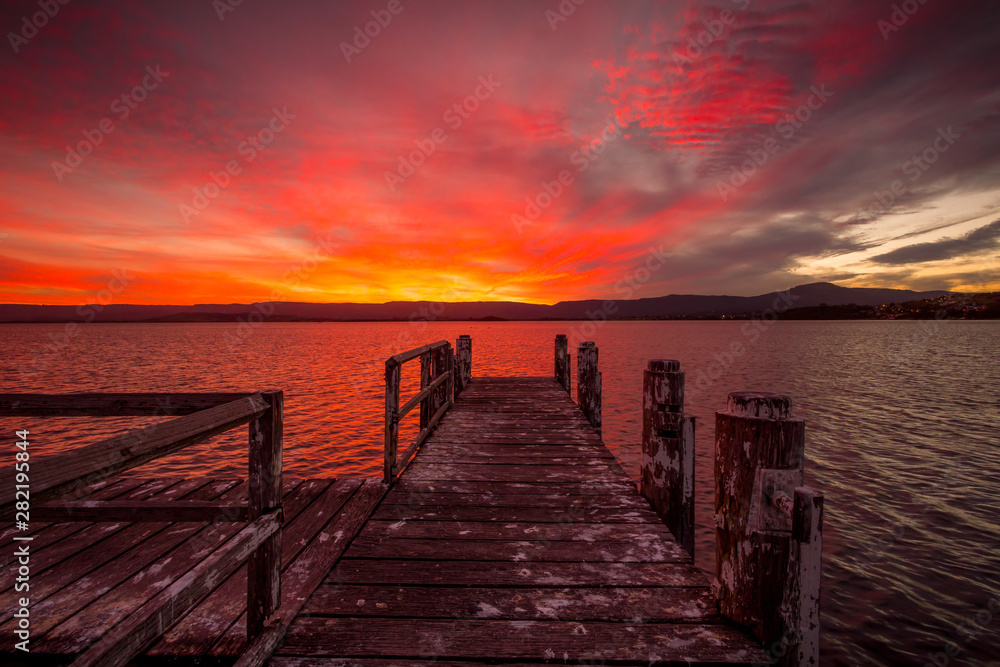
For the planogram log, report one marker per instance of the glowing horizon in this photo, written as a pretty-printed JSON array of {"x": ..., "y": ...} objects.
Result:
[{"x": 492, "y": 152}]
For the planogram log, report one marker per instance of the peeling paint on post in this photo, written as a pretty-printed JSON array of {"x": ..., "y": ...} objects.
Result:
[
  {"x": 463, "y": 358},
  {"x": 562, "y": 366},
  {"x": 391, "y": 419},
  {"x": 767, "y": 575},
  {"x": 666, "y": 476},
  {"x": 588, "y": 384},
  {"x": 441, "y": 365}
]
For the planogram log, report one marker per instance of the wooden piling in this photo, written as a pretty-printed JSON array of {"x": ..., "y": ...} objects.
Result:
[
  {"x": 463, "y": 363},
  {"x": 666, "y": 476},
  {"x": 264, "y": 564},
  {"x": 562, "y": 365},
  {"x": 767, "y": 557},
  {"x": 588, "y": 384}
]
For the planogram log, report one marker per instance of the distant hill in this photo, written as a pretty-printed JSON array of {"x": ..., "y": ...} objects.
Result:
[{"x": 672, "y": 306}]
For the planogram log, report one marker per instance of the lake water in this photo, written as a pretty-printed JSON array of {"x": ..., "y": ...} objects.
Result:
[{"x": 902, "y": 424}]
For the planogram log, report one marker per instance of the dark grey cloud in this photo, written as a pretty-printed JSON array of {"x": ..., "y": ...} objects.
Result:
[{"x": 977, "y": 241}]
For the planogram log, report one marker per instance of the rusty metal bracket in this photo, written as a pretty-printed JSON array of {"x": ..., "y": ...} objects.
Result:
[{"x": 771, "y": 507}]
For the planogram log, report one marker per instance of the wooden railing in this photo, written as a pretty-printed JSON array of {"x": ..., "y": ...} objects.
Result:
[
  {"x": 437, "y": 378},
  {"x": 52, "y": 478}
]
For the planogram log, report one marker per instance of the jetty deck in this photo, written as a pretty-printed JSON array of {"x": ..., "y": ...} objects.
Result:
[
  {"x": 514, "y": 536},
  {"x": 506, "y": 532}
]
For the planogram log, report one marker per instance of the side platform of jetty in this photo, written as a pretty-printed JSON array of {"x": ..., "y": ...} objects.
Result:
[{"x": 505, "y": 533}]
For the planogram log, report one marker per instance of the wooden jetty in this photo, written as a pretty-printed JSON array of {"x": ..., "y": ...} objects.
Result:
[{"x": 505, "y": 533}]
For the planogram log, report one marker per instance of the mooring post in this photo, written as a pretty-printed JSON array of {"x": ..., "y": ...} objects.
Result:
[
  {"x": 666, "y": 476},
  {"x": 562, "y": 361},
  {"x": 463, "y": 358},
  {"x": 588, "y": 383},
  {"x": 768, "y": 527}
]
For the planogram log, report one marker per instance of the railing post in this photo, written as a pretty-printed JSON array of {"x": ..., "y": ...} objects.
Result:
[
  {"x": 666, "y": 476},
  {"x": 562, "y": 362},
  {"x": 425, "y": 379},
  {"x": 440, "y": 364},
  {"x": 588, "y": 384},
  {"x": 391, "y": 418},
  {"x": 768, "y": 546},
  {"x": 264, "y": 565},
  {"x": 449, "y": 390},
  {"x": 463, "y": 368}
]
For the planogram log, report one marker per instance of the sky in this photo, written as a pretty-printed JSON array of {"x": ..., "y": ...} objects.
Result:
[{"x": 222, "y": 152}]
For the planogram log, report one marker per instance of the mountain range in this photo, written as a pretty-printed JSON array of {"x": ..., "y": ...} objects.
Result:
[{"x": 672, "y": 306}]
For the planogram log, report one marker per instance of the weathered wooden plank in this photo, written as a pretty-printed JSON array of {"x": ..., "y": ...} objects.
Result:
[
  {"x": 431, "y": 388},
  {"x": 55, "y": 475},
  {"x": 60, "y": 604},
  {"x": 74, "y": 563},
  {"x": 124, "y": 510},
  {"x": 424, "y": 433},
  {"x": 645, "y": 550},
  {"x": 128, "y": 639},
  {"x": 480, "y": 573},
  {"x": 83, "y": 628},
  {"x": 484, "y": 530},
  {"x": 205, "y": 623},
  {"x": 305, "y": 574},
  {"x": 551, "y": 500},
  {"x": 521, "y": 640},
  {"x": 636, "y": 605},
  {"x": 570, "y": 515},
  {"x": 50, "y": 534},
  {"x": 417, "y": 351},
  {"x": 507, "y": 473},
  {"x": 112, "y": 404},
  {"x": 436, "y": 448},
  {"x": 406, "y": 485}
]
